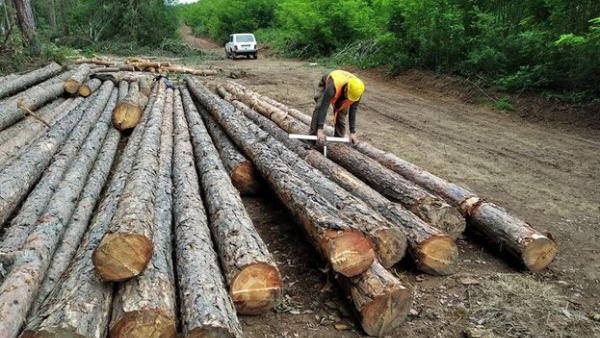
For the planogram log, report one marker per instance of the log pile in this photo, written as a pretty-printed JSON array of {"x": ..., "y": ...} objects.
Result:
[{"x": 144, "y": 65}]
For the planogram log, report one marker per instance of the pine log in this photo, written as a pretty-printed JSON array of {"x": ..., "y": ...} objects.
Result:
[
  {"x": 95, "y": 61},
  {"x": 73, "y": 83},
  {"x": 250, "y": 271},
  {"x": 85, "y": 206},
  {"x": 337, "y": 238},
  {"x": 24, "y": 280},
  {"x": 205, "y": 306},
  {"x": 61, "y": 314},
  {"x": 432, "y": 250},
  {"x": 114, "y": 68},
  {"x": 33, "y": 98},
  {"x": 128, "y": 111},
  {"x": 145, "y": 306},
  {"x": 48, "y": 112},
  {"x": 186, "y": 70},
  {"x": 89, "y": 87},
  {"x": 381, "y": 300},
  {"x": 29, "y": 79},
  {"x": 38, "y": 199},
  {"x": 241, "y": 171},
  {"x": 428, "y": 207},
  {"x": 127, "y": 247}
]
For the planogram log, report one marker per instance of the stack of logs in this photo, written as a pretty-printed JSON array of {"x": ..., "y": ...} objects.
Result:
[{"x": 156, "y": 234}]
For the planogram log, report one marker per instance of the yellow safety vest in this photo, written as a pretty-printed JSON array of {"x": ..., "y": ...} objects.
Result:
[{"x": 340, "y": 79}]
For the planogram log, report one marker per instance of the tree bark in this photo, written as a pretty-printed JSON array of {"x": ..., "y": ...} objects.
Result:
[
  {"x": 185, "y": 70},
  {"x": 131, "y": 228},
  {"x": 428, "y": 207},
  {"x": 241, "y": 171},
  {"x": 26, "y": 22},
  {"x": 51, "y": 14},
  {"x": 128, "y": 112},
  {"x": 338, "y": 239},
  {"x": 61, "y": 314},
  {"x": 381, "y": 300},
  {"x": 250, "y": 271},
  {"x": 206, "y": 308},
  {"x": 29, "y": 79},
  {"x": 79, "y": 76},
  {"x": 89, "y": 87},
  {"x": 145, "y": 306},
  {"x": 31, "y": 263},
  {"x": 432, "y": 250}
]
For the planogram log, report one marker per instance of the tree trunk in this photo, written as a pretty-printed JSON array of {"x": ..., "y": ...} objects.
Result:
[
  {"x": 428, "y": 207},
  {"x": 31, "y": 263},
  {"x": 79, "y": 76},
  {"x": 131, "y": 228},
  {"x": 240, "y": 169},
  {"x": 51, "y": 14},
  {"x": 250, "y": 271},
  {"x": 33, "y": 98},
  {"x": 63, "y": 14},
  {"x": 21, "y": 82},
  {"x": 89, "y": 87},
  {"x": 145, "y": 306},
  {"x": 38, "y": 199},
  {"x": 128, "y": 112},
  {"x": 85, "y": 206},
  {"x": 61, "y": 314},
  {"x": 206, "y": 308},
  {"x": 26, "y": 23},
  {"x": 337, "y": 238},
  {"x": 432, "y": 250},
  {"x": 382, "y": 301}
]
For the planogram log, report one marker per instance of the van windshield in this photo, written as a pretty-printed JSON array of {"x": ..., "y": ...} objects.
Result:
[{"x": 244, "y": 38}]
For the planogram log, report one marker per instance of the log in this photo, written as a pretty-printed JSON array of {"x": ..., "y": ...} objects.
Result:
[
  {"x": 251, "y": 273},
  {"x": 38, "y": 199},
  {"x": 428, "y": 207},
  {"x": 128, "y": 111},
  {"x": 241, "y": 171},
  {"x": 337, "y": 238},
  {"x": 19, "y": 83},
  {"x": 79, "y": 76},
  {"x": 87, "y": 201},
  {"x": 95, "y": 61},
  {"x": 205, "y": 306},
  {"x": 145, "y": 306},
  {"x": 89, "y": 87},
  {"x": 27, "y": 123},
  {"x": 186, "y": 70},
  {"x": 129, "y": 76},
  {"x": 24, "y": 280},
  {"x": 61, "y": 314},
  {"x": 381, "y": 300},
  {"x": 114, "y": 68},
  {"x": 432, "y": 250},
  {"x": 131, "y": 227}
]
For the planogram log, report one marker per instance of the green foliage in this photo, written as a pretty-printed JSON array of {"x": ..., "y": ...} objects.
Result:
[{"x": 504, "y": 103}]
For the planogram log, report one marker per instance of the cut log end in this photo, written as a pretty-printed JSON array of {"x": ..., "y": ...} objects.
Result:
[
  {"x": 72, "y": 86},
  {"x": 437, "y": 255},
  {"x": 244, "y": 178},
  {"x": 210, "y": 332},
  {"x": 55, "y": 332},
  {"x": 391, "y": 246},
  {"x": 539, "y": 253},
  {"x": 148, "y": 323},
  {"x": 120, "y": 257},
  {"x": 126, "y": 116},
  {"x": 85, "y": 91},
  {"x": 256, "y": 289},
  {"x": 442, "y": 216},
  {"x": 350, "y": 252},
  {"x": 386, "y": 312}
]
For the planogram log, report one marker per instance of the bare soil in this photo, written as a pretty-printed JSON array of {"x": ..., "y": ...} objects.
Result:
[{"x": 544, "y": 170}]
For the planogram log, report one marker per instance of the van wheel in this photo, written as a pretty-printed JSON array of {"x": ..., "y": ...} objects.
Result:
[{"x": 255, "y": 56}]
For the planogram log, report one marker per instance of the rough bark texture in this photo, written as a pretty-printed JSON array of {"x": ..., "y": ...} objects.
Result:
[
  {"x": 145, "y": 306},
  {"x": 128, "y": 112},
  {"x": 240, "y": 169},
  {"x": 89, "y": 87},
  {"x": 24, "y": 280},
  {"x": 26, "y": 22},
  {"x": 123, "y": 89},
  {"x": 432, "y": 250},
  {"x": 73, "y": 83},
  {"x": 250, "y": 271},
  {"x": 33, "y": 98},
  {"x": 339, "y": 240},
  {"x": 38, "y": 199},
  {"x": 381, "y": 300},
  {"x": 87, "y": 201},
  {"x": 430, "y": 208},
  {"x": 185, "y": 70},
  {"x": 29, "y": 79},
  {"x": 127, "y": 247},
  {"x": 61, "y": 314},
  {"x": 206, "y": 308}
]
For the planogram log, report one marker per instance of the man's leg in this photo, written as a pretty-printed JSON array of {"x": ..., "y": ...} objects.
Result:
[
  {"x": 318, "y": 97},
  {"x": 340, "y": 123}
]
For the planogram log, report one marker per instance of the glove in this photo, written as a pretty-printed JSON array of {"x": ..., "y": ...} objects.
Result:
[{"x": 353, "y": 138}]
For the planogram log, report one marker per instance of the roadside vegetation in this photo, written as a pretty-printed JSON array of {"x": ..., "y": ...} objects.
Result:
[{"x": 549, "y": 46}]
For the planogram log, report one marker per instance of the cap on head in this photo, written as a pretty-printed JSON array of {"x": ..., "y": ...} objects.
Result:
[{"x": 355, "y": 89}]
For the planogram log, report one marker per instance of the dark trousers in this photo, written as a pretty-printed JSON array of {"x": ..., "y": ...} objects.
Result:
[{"x": 340, "y": 118}]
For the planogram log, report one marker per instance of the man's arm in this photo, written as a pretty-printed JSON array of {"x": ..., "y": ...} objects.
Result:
[
  {"x": 328, "y": 94},
  {"x": 352, "y": 116}
]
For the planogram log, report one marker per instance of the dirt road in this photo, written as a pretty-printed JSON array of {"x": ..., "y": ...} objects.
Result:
[{"x": 546, "y": 173}]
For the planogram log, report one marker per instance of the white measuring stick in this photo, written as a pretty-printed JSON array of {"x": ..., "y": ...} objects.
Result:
[{"x": 314, "y": 138}]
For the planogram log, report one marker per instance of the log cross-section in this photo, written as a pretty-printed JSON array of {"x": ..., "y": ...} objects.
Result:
[
  {"x": 128, "y": 112},
  {"x": 79, "y": 76}
]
